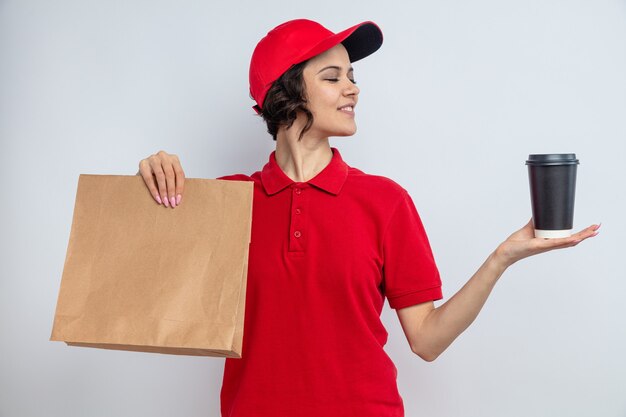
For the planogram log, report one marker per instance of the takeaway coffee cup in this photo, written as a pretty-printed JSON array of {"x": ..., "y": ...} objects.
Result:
[{"x": 552, "y": 180}]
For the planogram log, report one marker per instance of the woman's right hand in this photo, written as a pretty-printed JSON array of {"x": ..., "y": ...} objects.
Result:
[{"x": 164, "y": 177}]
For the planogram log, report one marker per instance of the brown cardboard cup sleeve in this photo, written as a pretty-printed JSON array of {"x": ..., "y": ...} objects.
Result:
[{"x": 143, "y": 277}]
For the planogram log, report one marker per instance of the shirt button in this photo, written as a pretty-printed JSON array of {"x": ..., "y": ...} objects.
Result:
[
  {"x": 298, "y": 191},
  {"x": 298, "y": 211},
  {"x": 297, "y": 233}
]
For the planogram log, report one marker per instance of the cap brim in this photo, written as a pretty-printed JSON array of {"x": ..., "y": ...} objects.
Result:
[{"x": 360, "y": 41}]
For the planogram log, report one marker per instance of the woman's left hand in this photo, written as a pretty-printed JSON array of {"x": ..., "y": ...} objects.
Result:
[{"x": 523, "y": 243}]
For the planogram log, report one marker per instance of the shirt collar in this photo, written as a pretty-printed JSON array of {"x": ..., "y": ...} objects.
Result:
[{"x": 330, "y": 179}]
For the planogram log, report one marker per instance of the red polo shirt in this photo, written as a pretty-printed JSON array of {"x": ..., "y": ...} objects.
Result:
[{"x": 324, "y": 254}]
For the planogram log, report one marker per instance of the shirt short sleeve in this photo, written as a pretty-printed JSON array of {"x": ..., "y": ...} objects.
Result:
[{"x": 410, "y": 275}]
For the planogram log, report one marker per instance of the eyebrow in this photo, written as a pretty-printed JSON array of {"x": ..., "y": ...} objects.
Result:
[{"x": 335, "y": 67}]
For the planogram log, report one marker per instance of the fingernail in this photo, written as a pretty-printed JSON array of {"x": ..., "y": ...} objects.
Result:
[
  {"x": 172, "y": 201},
  {"x": 167, "y": 203},
  {"x": 178, "y": 198},
  {"x": 159, "y": 199}
]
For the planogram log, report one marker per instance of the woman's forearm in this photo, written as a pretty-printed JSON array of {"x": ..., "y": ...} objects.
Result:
[
  {"x": 441, "y": 325},
  {"x": 446, "y": 322}
]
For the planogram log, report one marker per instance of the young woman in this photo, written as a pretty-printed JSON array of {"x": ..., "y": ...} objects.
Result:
[{"x": 329, "y": 243}]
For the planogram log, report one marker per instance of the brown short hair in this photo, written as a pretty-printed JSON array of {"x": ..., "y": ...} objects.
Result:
[{"x": 285, "y": 98}]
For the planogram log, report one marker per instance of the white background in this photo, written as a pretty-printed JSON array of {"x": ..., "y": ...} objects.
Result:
[{"x": 450, "y": 107}]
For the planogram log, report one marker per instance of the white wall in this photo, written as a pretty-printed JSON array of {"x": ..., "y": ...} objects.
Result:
[{"x": 450, "y": 107}]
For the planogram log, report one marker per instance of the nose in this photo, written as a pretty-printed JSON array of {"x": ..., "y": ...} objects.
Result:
[{"x": 351, "y": 89}]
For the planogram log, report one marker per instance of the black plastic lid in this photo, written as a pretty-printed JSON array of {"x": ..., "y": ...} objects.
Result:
[{"x": 552, "y": 159}]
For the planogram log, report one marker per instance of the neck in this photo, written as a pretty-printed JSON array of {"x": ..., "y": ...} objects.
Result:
[{"x": 302, "y": 159}]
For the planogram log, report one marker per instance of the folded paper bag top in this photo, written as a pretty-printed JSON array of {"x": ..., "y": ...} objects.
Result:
[{"x": 139, "y": 276}]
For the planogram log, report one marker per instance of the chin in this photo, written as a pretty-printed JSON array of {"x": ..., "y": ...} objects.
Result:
[
  {"x": 336, "y": 129},
  {"x": 348, "y": 131}
]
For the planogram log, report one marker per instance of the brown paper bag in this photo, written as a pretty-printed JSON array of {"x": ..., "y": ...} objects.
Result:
[{"x": 140, "y": 276}]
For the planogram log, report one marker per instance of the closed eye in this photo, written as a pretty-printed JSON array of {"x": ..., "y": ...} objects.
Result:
[{"x": 335, "y": 80}]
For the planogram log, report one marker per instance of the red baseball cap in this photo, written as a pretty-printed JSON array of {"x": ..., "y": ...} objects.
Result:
[{"x": 296, "y": 41}]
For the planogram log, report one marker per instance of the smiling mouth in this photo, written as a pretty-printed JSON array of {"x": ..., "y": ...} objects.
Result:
[{"x": 347, "y": 109}]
